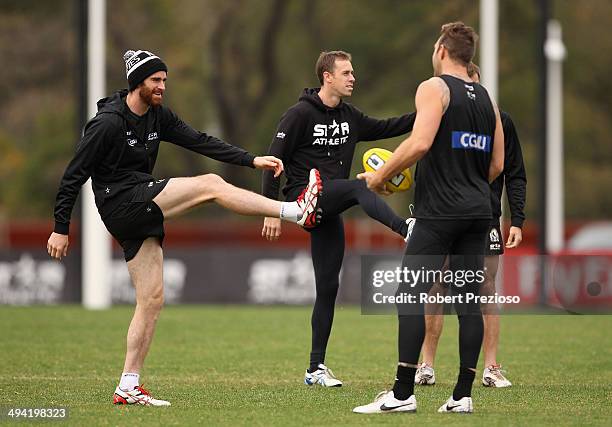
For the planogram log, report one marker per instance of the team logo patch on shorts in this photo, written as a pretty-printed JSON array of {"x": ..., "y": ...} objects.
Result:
[{"x": 494, "y": 240}]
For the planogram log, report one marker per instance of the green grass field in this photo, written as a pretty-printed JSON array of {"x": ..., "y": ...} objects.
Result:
[{"x": 240, "y": 365}]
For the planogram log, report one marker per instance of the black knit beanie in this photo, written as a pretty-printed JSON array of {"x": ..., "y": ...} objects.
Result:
[{"x": 141, "y": 64}]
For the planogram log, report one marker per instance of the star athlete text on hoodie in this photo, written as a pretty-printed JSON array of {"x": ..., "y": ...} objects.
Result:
[{"x": 313, "y": 135}]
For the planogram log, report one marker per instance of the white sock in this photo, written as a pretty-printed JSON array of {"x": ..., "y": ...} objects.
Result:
[
  {"x": 290, "y": 211},
  {"x": 129, "y": 381}
]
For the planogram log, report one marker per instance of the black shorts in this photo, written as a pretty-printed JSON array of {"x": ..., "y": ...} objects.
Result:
[
  {"x": 495, "y": 241},
  {"x": 136, "y": 217},
  {"x": 450, "y": 248}
]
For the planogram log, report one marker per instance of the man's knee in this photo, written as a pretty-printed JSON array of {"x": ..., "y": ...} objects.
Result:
[
  {"x": 488, "y": 287},
  {"x": 153, "y": 301},
  {"x": 211, "y": 184}
]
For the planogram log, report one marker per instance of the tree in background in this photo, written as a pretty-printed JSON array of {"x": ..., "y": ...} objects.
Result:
[{"x": 235, "y": 66}]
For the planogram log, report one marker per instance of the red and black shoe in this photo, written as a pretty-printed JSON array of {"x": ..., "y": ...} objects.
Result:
[
  {"x": 308, "y": 201},
  {"x": 138, "y": 396}
]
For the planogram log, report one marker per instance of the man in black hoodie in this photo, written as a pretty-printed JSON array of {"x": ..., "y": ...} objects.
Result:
[
  {"x": 118, "y": 151},
  {"x": 321, "y": 131}
]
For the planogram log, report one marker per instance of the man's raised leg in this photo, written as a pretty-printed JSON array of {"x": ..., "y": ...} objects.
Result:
[{"x": 182, "y": 194}]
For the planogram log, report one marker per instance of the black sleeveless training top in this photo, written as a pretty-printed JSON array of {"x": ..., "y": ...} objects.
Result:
[{"x": 452, "y": 178}]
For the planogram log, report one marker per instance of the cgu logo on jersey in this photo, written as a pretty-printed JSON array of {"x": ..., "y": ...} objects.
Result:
[
  {"x": 334, "y": 134},
  {"x": 152, "y": 136},
  {"x": 471, "y": 141}
]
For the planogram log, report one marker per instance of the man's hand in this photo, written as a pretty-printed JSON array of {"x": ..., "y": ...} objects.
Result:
[
  {"x": 269, "y": 162},
  {"x": 515, "y": 237},
  {"x": 57, "y": 246},
  {"x": 374, "y": 183},
  {"x": 271, "y": 229}
]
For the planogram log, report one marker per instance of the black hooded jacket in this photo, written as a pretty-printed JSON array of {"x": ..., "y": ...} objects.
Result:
[
  {"x": 313, "y": 135},
  {"x": 117, "y": 155}
]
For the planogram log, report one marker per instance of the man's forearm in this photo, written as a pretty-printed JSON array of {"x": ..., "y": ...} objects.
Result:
[{"x": 407, "y": 154}]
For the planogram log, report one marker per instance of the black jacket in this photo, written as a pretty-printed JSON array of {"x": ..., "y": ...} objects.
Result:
[
  {"x": 117, "y": 158},
  {"x": 312, "y": 135},
  {"x": 513, "y": 176}
]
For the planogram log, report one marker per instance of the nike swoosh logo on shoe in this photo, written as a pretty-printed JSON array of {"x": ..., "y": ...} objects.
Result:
[
  {"x": 384, "y": 407},
  {"x": 450, "y": 408}
]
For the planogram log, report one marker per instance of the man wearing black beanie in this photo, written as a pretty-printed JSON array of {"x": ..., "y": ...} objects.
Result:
[
  {"x": 118, "y": 151},
  {"x": 141, "y": 64}
]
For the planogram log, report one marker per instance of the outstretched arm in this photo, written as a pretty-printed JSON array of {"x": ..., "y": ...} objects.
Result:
[
  {"x": 371, "y": 129},
  {"x": 177, "y": 132},
  {"x": 431, "y": 101}
]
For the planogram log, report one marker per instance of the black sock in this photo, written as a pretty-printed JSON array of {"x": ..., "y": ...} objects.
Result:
[
  {"x": 315, "y": 360},
  {"x": 404, "y": 382},
  {"x": 464, "y": 383}
]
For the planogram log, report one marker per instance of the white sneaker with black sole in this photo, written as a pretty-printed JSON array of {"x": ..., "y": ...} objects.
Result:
[
  {"x": 385, "y": 402},
  {"x": 461, "y": 406},
  {"x": 425, "y": 375},
  {"x": 323, "y": 377},
  {"x": 493, "y": 376}
]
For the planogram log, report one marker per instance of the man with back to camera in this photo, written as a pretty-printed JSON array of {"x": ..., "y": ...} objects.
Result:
[
  {"x": 321, "y": 131},
  {"x": 118, "y": 150},
  {"x": 515, "y": 180},
  {"x": 459, "y": 145}
]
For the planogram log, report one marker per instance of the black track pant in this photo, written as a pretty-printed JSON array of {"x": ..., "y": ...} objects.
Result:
[
  {"x": 327, "y": 248},
  {"x": 430, "y": 242}
]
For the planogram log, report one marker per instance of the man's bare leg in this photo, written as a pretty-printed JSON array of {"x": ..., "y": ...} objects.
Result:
[
  {"x": 147, "y": 277},
  {"x": 433, "y": 329},
  {"x": 492, "y": 375},
  {"x": 146, "y": 274},
  {"x": 434, "y": 322},
  {"x": 490, "y": 313},
  {"x": 182, "y": 194}
]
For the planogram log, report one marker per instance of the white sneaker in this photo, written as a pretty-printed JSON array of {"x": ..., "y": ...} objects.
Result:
[
  {"x": 322, "y": 376},
  {"x": 410, "y": 222},
  {"x": 138, "y": 396},
  {"x": 493, "y": 377},
  {"x": 386, "y": 402},
  {"x": 425, "y": 375},
  {"x": 309, "y": 199},
  {"x": 463, "y": 405}
]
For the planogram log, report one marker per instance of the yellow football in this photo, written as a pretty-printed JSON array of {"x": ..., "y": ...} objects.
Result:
[{"x": 374, "y": 158}]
